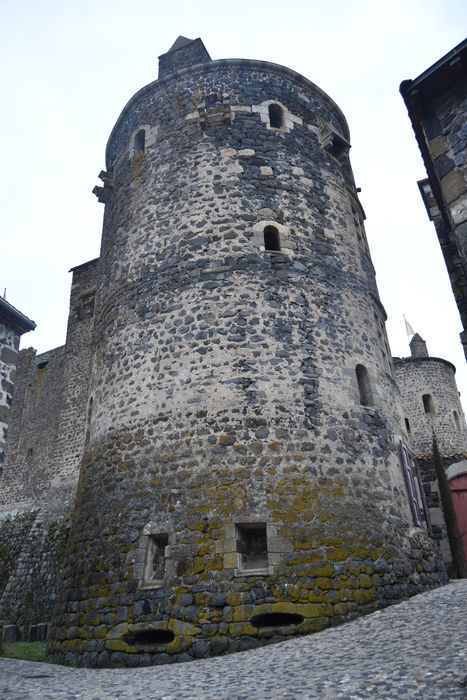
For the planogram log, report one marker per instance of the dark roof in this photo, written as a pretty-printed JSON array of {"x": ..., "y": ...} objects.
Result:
[
  {"x": 14, "y": 319},
  {"x": 439, "y": 77}
]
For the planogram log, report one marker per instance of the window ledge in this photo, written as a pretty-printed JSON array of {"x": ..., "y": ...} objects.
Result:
[
  {"x": 156, "y": 583},
  {"x": 254, "y": 572}
]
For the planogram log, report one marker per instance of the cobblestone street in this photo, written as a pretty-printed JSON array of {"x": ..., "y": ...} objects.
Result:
[{"x": 416, "y": 650}]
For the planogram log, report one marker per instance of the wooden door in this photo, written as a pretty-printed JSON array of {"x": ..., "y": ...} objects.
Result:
[{"x": 459, "y": 496}]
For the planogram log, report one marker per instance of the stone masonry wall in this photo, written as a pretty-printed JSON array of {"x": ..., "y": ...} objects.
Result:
[
  {"x": 444, "y": 123},
  {"x": 224, "y": 384},
  {"x": 9, "y": 344},
  {"x": 435, "y": 377},
  {"x": 48, "y": 414},
  {"x": 46, "y": 441}
]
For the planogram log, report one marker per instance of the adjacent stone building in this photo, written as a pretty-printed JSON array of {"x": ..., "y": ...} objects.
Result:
[
  {"x": 12, "y": 326},
  {"x": 432, "y": 408},
  {"x": 437, "y": 106},
  {"x": 224, "y": 412}
]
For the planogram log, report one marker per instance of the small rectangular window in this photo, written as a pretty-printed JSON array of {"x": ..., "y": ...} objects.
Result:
[
  {"x": 154, "y": 569},
  {"x": 252, "y": 546}
]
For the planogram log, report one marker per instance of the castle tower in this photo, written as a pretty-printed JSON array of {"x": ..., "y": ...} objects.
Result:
[
  {"x": 241, "y": 480},
  {"x": 432, "y": 408}
]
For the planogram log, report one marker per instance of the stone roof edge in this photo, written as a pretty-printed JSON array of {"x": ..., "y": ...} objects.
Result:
[
  {"x": 206, "y": 67},
  {"x": 406, "y": 360},
  {"x": 85, "y": 265}
]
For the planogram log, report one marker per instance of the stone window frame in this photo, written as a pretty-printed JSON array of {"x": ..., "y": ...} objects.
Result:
[
  {"x": 152, "y": 531},
  {"x": 351, "y": 375},
  {"x": 277, "y": 546},
  {"x": 150, "y": 135},
  {"x": 257, "y": 238},
  {"x": 288, "y": 119}
]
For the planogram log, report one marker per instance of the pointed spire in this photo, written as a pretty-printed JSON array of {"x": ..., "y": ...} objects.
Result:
[
  {"x": 184, "y": 53},
  {"x": 418, "y": 346},
  {"x": 179, "y": 43}
]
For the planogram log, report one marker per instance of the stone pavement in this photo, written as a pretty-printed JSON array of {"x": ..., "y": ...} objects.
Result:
[{"x": 416, "y": 650}]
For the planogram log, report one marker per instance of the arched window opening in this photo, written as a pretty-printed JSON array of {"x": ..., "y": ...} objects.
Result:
[
  {"x": 276, "y": 116},
  {"x": 364, "y": 386},
  {"x": 407, "y": 425},
  {"x": 140, "y": 140},
  {"x": 428, "y": 404},
  {"x": 271, "y": 238},
  {"x": 456, "y": 420}
]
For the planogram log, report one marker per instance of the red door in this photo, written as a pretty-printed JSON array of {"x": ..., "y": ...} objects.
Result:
[{"x": 459, "y": 496}]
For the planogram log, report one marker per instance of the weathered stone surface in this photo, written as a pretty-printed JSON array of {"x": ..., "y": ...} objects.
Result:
[{"x": 212, "y": 396}]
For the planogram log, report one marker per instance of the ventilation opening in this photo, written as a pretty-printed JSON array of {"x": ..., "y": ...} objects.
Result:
[
  {"x": 428, "y": 404},
  {"x": 279, "y": 619},
  {"x": 276, "y": 116},
  {"x": 456, "y": 420},
  {"x": 271, "y": 238},
  {"x": 407, "y": 425},
  {"x": 140, "y": 140},
  {"x": 149, "y": 637}
]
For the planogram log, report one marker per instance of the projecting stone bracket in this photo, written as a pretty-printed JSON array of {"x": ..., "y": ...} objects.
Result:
[
  {"x": 333, "y": 142},
  {"x": 103, "y": 193},
  {"x": 214, "y": 111}
]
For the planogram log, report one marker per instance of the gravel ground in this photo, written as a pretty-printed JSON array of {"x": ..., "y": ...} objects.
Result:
[{"x": 416, "y": 650}]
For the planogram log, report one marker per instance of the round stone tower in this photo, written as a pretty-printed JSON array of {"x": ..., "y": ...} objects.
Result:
[
  {"x": 430, "y": 401},
  {"x": 241, "y": 480},
  {"x": 432, "y": 408}
]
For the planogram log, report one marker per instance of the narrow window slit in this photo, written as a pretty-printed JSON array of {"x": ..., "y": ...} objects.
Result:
[
  {"x": 271, "y": 238},
  {"x": 364, "y": 386},
  {"x": 276, "y": 116},
  {"x": 140, "y": 142},
  {"x": 428, "y": 404}
]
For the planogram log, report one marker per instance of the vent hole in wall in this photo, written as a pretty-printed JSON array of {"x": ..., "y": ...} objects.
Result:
[
  {"x": 278, "y": 619},
  {"x": 148, "y": 637}
]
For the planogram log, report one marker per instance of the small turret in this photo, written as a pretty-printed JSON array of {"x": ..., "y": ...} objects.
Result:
[
  {"x": 183, "y": 54},
  {"x": 418, "y": 346}
]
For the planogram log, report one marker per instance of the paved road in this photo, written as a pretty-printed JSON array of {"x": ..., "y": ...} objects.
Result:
[{"x": 416, "y": 650}]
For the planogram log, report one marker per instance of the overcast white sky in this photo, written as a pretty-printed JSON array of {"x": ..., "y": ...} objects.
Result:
[{"x": 69, "y": 66}]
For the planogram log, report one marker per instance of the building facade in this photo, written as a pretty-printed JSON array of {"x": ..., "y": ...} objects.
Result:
[
  {"x": 432, "y": 410},
  {"x": 437, "y": 105},
  {"x": 235, "y": 420}
]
